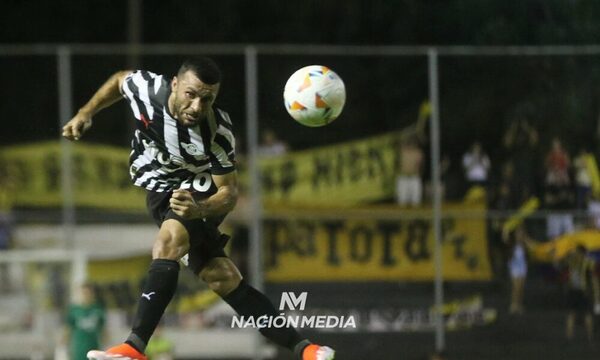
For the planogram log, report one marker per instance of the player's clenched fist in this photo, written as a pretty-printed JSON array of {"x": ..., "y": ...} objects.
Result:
[
  {"x": 78, "y": 125},
  {"x": 183, "y": 204}
]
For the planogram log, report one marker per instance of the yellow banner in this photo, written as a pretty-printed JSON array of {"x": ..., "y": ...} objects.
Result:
[
  {"x": 558, "y": 248},
  {"x": 31, "y": 176},
  {"x": 342, "y": 174},
  {"x": 365, "y": 249}
]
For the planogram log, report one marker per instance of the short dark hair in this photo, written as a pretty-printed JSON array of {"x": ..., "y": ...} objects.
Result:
[{"x": 205, "y": 68}]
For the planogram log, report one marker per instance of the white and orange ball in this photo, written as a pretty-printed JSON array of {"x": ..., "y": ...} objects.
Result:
[{"x": 314, "y": 95}]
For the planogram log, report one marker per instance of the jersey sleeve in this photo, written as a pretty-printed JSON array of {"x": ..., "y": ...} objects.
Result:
[
  {"x": 222, "y": 158},
  {"x": 141, "y": 88}
]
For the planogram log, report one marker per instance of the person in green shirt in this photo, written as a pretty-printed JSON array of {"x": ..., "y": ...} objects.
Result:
[{"x": 85, "y": 324}]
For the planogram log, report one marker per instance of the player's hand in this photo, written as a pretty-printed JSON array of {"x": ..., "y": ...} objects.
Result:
[
  {"x": 183, "y": 204},
  {"x": 77, "y": 126}
]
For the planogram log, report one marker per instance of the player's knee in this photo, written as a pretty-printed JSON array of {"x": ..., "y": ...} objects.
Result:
[
  {"x": 223, "y": 281},
  {"x": 171, "y": 243}
]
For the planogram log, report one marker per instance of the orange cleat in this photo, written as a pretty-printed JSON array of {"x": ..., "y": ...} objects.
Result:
[
  {"x": 317, "y": 352},
  {"x": 119, "y": 352}
]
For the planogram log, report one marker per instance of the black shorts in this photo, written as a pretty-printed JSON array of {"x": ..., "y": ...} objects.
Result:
[{"x": 206, "y": 241}]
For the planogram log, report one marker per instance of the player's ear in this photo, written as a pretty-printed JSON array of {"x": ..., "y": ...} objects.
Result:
[{"x": 174, "y": 84}]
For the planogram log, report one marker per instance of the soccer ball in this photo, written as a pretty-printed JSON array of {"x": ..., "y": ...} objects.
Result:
[{"x": 314, "y": 95}]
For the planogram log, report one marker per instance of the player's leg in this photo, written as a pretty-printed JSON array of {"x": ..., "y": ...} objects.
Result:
[
  {"x": 170, "y": 245},
  {"x": 519, "y": 286},
  {"x": 589, "y": 326},
  {"x": 570, "y": 325},
  {"x": 223, "y": 277},
  {"x": 172, "y": 242}
]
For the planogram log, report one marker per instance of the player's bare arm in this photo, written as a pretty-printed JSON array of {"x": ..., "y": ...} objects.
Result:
[
  {"x": 222, "y": 202},
  {"x": 107, "y": 94}
]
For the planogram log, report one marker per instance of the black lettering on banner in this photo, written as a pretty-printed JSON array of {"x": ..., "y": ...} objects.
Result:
[
  {"x": 321, "y": 171},
  {"x": 458, "y": 241},
  {"x": 361, "y": 252},
  {"x": 416, "y": 244},
  {"x": 340, "y": 164},
  {"x": 354, "y": 163},
  {"x": 472, "y": 262},
  {"x": 22, "y": 174},
  {"x": 274, "y": 245},
  {"x": 448, "y": 225},
  {"x": 332, "y": 228},
  {"x": 288, "y": 177},
  {"x": 388, "y": 230},
  {"x": 375, "y": 160},
  {"x": 102, "y": 168},
  {"x": 268, "y": 183},
  {"x": 52, "y": 172},
  {"x": 123, "y": 178},
  {"x": 284, "y": 236},
  {"x": 81, "y": 177},
  {"x": 304, "y": 238}
]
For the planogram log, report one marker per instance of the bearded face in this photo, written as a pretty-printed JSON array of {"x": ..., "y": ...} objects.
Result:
[{"x": 191, "y": 100}]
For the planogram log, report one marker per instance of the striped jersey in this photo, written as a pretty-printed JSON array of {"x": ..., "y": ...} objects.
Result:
[{"x": 166, "y": 155}]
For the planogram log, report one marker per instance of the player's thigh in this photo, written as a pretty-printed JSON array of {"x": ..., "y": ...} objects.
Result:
[
  {"x": 172, "y": 241},
  {"x": 221, "y": 275}
]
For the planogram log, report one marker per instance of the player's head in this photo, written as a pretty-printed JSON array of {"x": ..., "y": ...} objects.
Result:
[
  {"x": 88, "y": 294},
  {"x": 194, "y": 90}
]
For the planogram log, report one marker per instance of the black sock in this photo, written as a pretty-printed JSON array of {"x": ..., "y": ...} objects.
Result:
[
  {"x": 156, "y": 295},
  {"x": 247, "y": 301}
]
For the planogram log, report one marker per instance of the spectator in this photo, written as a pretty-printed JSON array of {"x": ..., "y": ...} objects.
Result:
[
  {"x": 271, "y": 145},
  {"x": 85, "y": 324},
  {"x": 476, "y": 164},
  {"x": 517, "y": 266},
  {"x": 521, "y": 140},
  {"x": 583, "y": 179},
  {"x": 409, "y": 188},
  {"x": 594, "y": 212},
  {"x": 557, "y": 164},
  {"x": 581, "y": 281},
  {"x": 558, "y": 196},
  {"x": 502, "y": 200}
]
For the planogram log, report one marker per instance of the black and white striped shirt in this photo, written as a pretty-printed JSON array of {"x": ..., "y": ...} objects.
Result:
[{"x": 166, "y": 155}]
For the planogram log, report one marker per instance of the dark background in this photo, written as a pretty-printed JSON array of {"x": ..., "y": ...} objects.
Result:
[{"x": 479, "y": 95}]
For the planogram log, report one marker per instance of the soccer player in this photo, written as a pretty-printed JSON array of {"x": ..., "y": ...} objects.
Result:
[
  {"x": 183, "y": 155},
  {"x": 85, "y": 324}
]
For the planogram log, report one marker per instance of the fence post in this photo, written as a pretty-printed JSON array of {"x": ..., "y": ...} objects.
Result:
[
  {"x": 434, "y": 129},
  {"x": 255, "y": 246},
  {"x": 65, "y": 109}
]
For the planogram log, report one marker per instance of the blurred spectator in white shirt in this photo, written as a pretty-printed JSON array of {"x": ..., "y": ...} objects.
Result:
[
  {"x": 271, "y": 145},
  {"x": 583, "y": 179},
  {"x": 409, "y": 187},
  {"x": 477, "y": 165}
]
